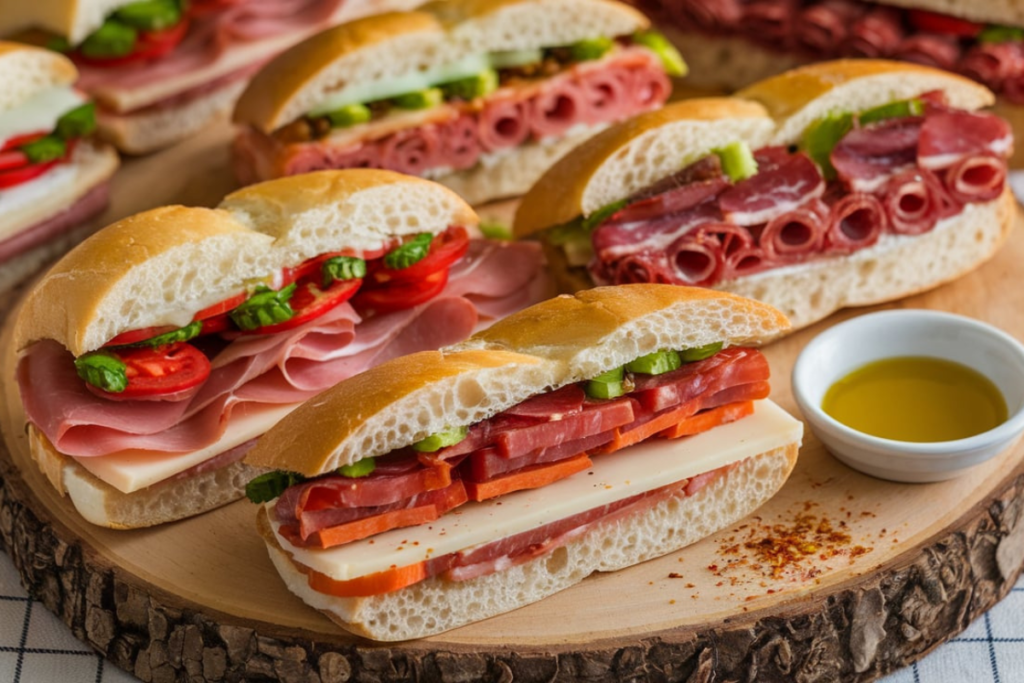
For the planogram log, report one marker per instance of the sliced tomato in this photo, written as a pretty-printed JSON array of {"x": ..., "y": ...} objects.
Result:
[
  {"x": 216, "y": 318},
  {"x": 397, "y": 296},
  {"x": 23, "y": 139},
  {"x": 164, "y": 370},
  {"x": 312, "y": 267},
  {"x": 12, "y": 159},
  {"x": 310, "y": 301},
  {"x": 25, "y": 174},
  {"x": 445, "y": 249},
  {"x": 943, "y": 23},
  {"x": 136, "y": 336},
  {"x": 150, "y": 45}
]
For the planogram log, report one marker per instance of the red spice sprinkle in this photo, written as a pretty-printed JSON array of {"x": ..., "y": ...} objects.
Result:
[
  {"x": 674, "y": 575},
  {"x": 671, "y": 602}
]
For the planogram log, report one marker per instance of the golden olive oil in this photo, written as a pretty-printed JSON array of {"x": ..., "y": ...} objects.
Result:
[{"x": 918, "y": 399}]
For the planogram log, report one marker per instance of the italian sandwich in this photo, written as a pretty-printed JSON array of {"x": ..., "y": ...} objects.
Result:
[
  {"x": 161, "y": 70},
  {"x": 155, "y": 352},
  {"x": 54, "y": 176},
  {"x": 731, "y": 44},
  {"x": 446, "y": 487},
  {"x": 480, "y": 95},
  {"x": 837, "y": 184}
]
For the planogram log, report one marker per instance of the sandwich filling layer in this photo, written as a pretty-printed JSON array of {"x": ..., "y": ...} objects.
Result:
[
  {"x": 856, "y": 180},
  {"x": 488, "y": 536},
  {"x": 523, "y": 105}
]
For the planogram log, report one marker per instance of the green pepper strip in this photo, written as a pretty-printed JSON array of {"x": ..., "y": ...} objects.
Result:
[
  {"x": 103, "y": 370},
  {"x": 269, "y": 486},
  {"x": 265, "y": 307},
  {"x": 413, "y": 251}
]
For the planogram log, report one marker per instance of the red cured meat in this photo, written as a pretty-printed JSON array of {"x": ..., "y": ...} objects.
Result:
[
  {"x": 993, "y": 63},
  {"x": 559, "y": 107},
  {"x": 650, "y": 87},
  {"x": 855, "y": 221},
  {"x": 696, "y": 259},
  {"x": 641, "y": 267},
  {"x": 412, "y": 151},
  {"x": 867, "y": 157},
  {"x": 729, "y": 367},
  {"x": 673, "y": 201},
  {"x": 460, "y": 144},
  {"x": 551, "y": 406},
  {"x": 705, "y": 169},
  {"x": 942, "y": 52},
  {"x": 877, "y": 34},
  {"x": 773, "y": 191},
  {"x": 795, "y": 235},
  {"x": 609, "y": 93},
  {"x": 949, "y": 136},
  {"x": 503, "y": 124},
  {"x": 488, "y": 463},
  {"x": 977, "y": 179},
  {"x": 911, "y": 204},
  {"x": 745, "y": 261},
  {"x": 769, "y": 21},
  {"x": 822, "y": 28},
  {"x": 650, "y": 231},
  {"x": 596, "y": 417},
  {"x": 711, "y": 14},
  {"x": 947, "y": 205}
]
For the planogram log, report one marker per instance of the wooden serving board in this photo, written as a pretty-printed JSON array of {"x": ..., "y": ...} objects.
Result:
[{"x": 839, "y": 577}]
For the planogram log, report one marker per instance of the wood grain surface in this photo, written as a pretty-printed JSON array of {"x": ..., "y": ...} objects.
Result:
[{"x": 877, "y": 573}]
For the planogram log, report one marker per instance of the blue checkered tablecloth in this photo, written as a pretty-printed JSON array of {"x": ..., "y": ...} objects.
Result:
[{"x": 35, "y": 647}]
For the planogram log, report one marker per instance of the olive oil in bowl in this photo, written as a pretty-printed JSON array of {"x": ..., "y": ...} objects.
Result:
[{"x": 917, "y": 399}]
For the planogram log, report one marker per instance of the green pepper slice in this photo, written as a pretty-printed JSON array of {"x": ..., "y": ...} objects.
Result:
[
  {"x": 342, "y": 268},
  {"x": 103, "y": 370},
  {"x": 113, "y": 39},
  {"x": 265, "y": 307},
  {"x": 657, "y": 363},
  {"x": 360, "y": 468},
  {"x": 700, "y": 352},
  {"x": 421, "y": 99},
  {"x": 606, "y": 385},
  {"x": 413, "y": 251},
  {"x": 590, "y": 48},
  {"x": 436, "y": 442},
  {"x": 269, "y": 486},
  {"x": 349, "y": 115},
  {"x": 665, "y": 50},
  {"x": 78, "y": 122},
  {"x": 44, "y": 149},
  {"x": 472, "y": 87},
  {"x": 737, "y": 160}
]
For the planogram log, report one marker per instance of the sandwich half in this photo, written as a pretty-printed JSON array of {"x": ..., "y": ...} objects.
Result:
[
  {"x": 583, "y": 434},
  {"x": 481, "y": 95},
  {"x": 731, "y": 44},
  {"x": 154, "y": 353},
  {"x": 837, "y": 184},
  {"x": 161, "y": 70},
  {"x": 54, "y": 176}
]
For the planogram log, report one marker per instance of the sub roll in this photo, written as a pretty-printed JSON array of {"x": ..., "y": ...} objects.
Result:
[
  {"x": 837, "y": 184},
  {"x": 54, "y": 175},
  {"x": 481, "y": 96},
  {"x": 153, "y": 354},
  {"x": 583, "y": 434}
]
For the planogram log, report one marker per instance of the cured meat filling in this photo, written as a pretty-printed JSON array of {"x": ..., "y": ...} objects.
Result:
[
  {"x": 545, "y": 438},
  {"x": 898, "y": 176},
  {"x": 456, "y": 135},
  {"x": 826, "y": 29}
]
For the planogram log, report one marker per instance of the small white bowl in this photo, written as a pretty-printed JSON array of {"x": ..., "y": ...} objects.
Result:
[{"x": 842, "y": 349}]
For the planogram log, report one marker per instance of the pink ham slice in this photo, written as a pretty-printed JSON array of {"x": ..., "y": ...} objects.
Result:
[
  {"x": 854, "y": 222},
  {"x": 559, "y": 107},
  {"x": 461, "y": 146},
  {"x": 911, "y": 204},
  {"x": 979, "y": 178},
  {"x": 775, "y": 190},
  {"x": 503, "y": 124},
  {"x": 279, "y": 369},
  {"x": 867, "y": 157},
  {"x": 413, "y": 151},
  {"x": 942, "y": 52},
  {"x": 949, "y": 136}
]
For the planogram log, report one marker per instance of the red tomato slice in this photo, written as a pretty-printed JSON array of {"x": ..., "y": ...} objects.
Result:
[
  {"x": 135, "y": 336},
  {"x": 12, "y": 159},
  {"x": 399, "y": 295},
  {"x": 216, "y": 318},
  {"x": 150, "y": 45},
  {"x": 19, "y": 140},
  {"x": 943, "y": 23},
  {"x": 445, "y": 249},
  {"x": 309, "y": 301},
  {"x": 312, "y": 267},
  {"x": 160, "y": 371},
  {"x": 25, "y": 174}
]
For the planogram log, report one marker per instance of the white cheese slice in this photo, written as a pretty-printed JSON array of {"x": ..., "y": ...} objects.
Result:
[
  {"x": 131, "y": 470},
  {"x": 615, "y": 476},
  {"x": 39, "y": 112},
  {"x": 56, "y": 183}
]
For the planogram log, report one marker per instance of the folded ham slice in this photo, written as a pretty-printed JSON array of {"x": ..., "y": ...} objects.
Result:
[{"x": 491, "y": 281}]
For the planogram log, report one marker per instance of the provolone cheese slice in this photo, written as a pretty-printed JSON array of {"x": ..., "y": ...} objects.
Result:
[
  {"x": 132, "y": 470},
  {"x": 614, "y": 476}
]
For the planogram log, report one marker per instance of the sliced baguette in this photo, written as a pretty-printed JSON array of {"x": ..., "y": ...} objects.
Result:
[
  {"x": 162, "y": 266},
  {"x": 28, "y": 70},
  {"x": 436, "y": 604}
]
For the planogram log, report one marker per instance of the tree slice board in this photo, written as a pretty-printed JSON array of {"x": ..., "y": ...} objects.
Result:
[{"x": 839, "y": 577}]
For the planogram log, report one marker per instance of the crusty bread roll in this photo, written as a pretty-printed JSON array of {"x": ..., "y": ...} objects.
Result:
[
  {"x": 439, "y": 33},
  {"x": 437, "y": 605},
  {"x": 53, "y": 206},
  {"x": 1002, "y": 12},
  {"x": 626, "y": 158},
  {"x": 161, "y": 266},
  {"x": 549, "y": 345}
]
